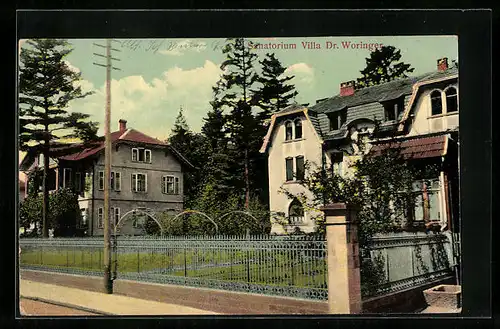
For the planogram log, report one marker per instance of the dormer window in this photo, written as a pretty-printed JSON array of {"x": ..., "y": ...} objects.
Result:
[
  {"x": 288, "y": 130},
  {"x": 337, "y": 119},
  {"x": 393, "y": 110},
  {"x": 298, "y": 128},
  {"x": 436, "y": 102},
  {"x": 451, "y": 100}
]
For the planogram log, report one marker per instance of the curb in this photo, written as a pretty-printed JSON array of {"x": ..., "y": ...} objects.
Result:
[{"x": 76, "y": 307}]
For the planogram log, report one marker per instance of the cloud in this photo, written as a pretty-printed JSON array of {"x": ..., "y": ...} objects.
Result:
[
  {"x": 152, "y": 106},
  {"x": 303, "y": 77},
  {"x": 181, "y": 47}
]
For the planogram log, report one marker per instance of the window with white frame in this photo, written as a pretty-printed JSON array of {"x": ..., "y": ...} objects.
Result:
[
  {"x": 436, "y": 103},
  {"x": 170, "y": 184},
  {"x": 115, "y": 216},
  {"x": 141, "y": 155},
  {"x": 67, "y": 177},
  {"x": 139, "y": 182},
  {"x": 298, "y": 128},
  {"x": 101, "y": 180},
  {"x": 116, "y": 181},
  {"x": 288, "y": 130},
  {"x": 300, "y": 167},
  {"x": 100, "y": 219},
  {"x": 451, "y": 100}
]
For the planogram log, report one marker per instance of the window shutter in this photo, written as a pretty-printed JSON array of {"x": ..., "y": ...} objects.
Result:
[
  {"x": 148, "y": 156},
  {"x": 146, "y": 183},
  {"x": 101, "y": 180},
  {"x": 289, "y": 169},
  {"x": 112, "y": 181},
  {"x": 163, "y": 185}
]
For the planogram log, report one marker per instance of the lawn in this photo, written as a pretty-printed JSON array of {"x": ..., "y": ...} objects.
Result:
[{"x": 282, "y": 268}]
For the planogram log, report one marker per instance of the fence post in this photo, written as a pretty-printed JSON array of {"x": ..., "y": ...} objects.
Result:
[{"x": 344, "y": 284}]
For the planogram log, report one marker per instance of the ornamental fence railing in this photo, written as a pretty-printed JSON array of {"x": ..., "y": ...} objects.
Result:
[{"x": 294, "y": 266}]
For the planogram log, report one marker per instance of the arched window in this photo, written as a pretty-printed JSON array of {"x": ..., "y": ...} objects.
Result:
[
  {"x": 298, "y": 128},
  {"x": 295, "y": 212},
  {"x": 288, "y": 130},
  {"x": 451, "y": 100},
  {"x": 437, "y": 105}
]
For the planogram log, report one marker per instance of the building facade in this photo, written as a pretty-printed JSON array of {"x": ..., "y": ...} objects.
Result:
[
  {"x": 421, "y": 113},
  {"x": 147, "y": 177}
]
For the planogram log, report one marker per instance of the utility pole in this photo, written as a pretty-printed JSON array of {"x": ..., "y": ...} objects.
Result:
[{"x": 108, "y": 282}]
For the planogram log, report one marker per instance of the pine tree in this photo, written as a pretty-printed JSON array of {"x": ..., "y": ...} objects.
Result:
[
  {"x": 47, "y": 85},
  {"x": 192, "y": 146},
  {"x": 383, "y": 65},
  {"x": 274, "y": 94},
  {"x": 243, "y": 126}
]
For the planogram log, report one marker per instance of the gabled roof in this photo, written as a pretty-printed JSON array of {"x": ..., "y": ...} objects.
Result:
[{"x": 130, "y": 135}]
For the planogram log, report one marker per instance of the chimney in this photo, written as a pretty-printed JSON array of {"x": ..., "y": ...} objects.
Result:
[
  {"x": 442, "y": 64},
  {"x": 347, "y": 88},
  {"x": 123, "y": 125}
]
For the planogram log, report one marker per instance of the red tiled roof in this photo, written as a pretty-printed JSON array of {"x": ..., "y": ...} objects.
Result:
[
  {"x": 129, "y": 135},
  {"x": 417, "y": 148}
]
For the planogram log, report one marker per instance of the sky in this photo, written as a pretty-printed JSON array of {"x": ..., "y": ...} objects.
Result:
[{"x": 159, "y": 76}]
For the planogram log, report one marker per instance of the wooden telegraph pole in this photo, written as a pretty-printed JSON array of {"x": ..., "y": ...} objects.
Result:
[{"x": 108, "y": 282}]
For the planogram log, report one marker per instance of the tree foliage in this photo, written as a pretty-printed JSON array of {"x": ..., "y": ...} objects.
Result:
[
  {"x": 383, "y": 65},
  {"x": 63, "y": 217},
  {"x": 274, "y": 94},
  {"x": 47, "y": 85},
  {"x": 381, "y": 187}
]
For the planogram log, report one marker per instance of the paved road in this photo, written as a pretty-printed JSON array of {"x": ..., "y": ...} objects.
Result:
[{"x": 37, "y": 308}]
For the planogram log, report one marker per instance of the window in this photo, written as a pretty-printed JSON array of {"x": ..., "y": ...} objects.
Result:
[
  {"x": 101, "y": 180},
  {"x": 78, "y": 182},
  {"x": 298, "y": 128},
  {"x": 67, "y": 177},
  {"x": 337, "y": 119},
  {"x": 295, "y": 212},
  {"x": 288, "y": 130},
  {"x": 426, "y": 205},
  {"x": 337, "y": 159},
  {"x": 170, "y": 185},
  {"x": 141, "y": 155},
  {"x": 299, "y": 164},
  {"x": 115, "y": 216},
  {"x": 139, "y": 183},
  {"x": 393, "y": 109},
  {"x": 135, "y": 153},
  {"x": 289, "y": 169},
  {"x": 451, "y": 100},
  {"x": 100, "y": 220},
  {"x": 436, "y": 104},
  {"x": 116, "y": 181}
]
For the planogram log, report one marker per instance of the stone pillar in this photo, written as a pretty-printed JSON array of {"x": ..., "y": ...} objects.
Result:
[{"x": 344, "y": 284}]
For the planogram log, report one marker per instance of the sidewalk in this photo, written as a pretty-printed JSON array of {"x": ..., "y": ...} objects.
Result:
[{"x": 105, "y": 303}]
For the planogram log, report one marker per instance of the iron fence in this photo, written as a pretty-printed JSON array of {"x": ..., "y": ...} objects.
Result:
[{"x": 294, "y": 266}]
